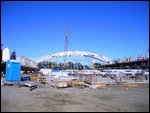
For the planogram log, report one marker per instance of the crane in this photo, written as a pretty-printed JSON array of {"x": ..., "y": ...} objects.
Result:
[{"x": 66, "y": 49}]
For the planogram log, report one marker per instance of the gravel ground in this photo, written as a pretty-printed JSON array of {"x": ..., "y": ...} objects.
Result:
[{"x": 48, "y": 99}]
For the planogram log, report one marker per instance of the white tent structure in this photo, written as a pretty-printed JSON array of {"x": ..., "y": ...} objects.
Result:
[{"x": 6, "y": 54}]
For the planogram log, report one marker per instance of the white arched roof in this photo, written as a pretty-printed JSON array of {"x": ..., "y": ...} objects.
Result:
[{"x": 74, "y": 53}]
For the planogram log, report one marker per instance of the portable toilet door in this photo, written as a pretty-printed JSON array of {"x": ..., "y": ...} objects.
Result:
[{"x": 13, "y": 68}]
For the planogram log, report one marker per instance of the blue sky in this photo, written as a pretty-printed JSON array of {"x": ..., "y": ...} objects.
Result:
[{"x": 114, "y": 29}]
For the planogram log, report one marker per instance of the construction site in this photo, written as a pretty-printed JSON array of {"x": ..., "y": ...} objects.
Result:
[{"x": 74, "y": 81}]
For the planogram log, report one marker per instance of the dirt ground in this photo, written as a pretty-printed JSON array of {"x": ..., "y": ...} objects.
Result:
[{"x": 48, "y": 99}]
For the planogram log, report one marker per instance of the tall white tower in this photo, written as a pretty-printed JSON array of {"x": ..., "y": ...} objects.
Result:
[{"x": 147, "y": 56}]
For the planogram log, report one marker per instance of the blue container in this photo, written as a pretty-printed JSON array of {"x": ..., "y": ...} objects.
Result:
[
  {"x": 13, "y": 70},
  {"x": 25, "y": 78}
]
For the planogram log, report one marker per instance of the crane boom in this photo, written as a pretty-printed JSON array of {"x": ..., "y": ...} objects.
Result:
[{"x": 65, "y": 50}]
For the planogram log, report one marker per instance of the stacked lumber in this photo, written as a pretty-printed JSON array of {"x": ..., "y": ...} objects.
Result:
[
  {"x": 33, "y": 78},
  {"x": 77, "y": 84},
  {"x": 131, "y": 84},
  {"x": 101, "y": 84}
]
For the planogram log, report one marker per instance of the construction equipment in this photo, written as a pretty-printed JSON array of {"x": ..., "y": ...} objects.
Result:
[{"x": 65, "y": 50}]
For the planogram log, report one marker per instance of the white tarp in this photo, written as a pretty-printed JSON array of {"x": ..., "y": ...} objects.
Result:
[
  {"x": 59, "y": 74},
  {"x": 6, "y": 55},
  {"x": 46, "y": 71}
]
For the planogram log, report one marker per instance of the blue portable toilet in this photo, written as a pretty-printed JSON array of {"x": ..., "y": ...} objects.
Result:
[{"x": 13, "y": 68}]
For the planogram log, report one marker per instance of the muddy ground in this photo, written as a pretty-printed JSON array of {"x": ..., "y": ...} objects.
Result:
[{"x": 106, "y": 99}]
